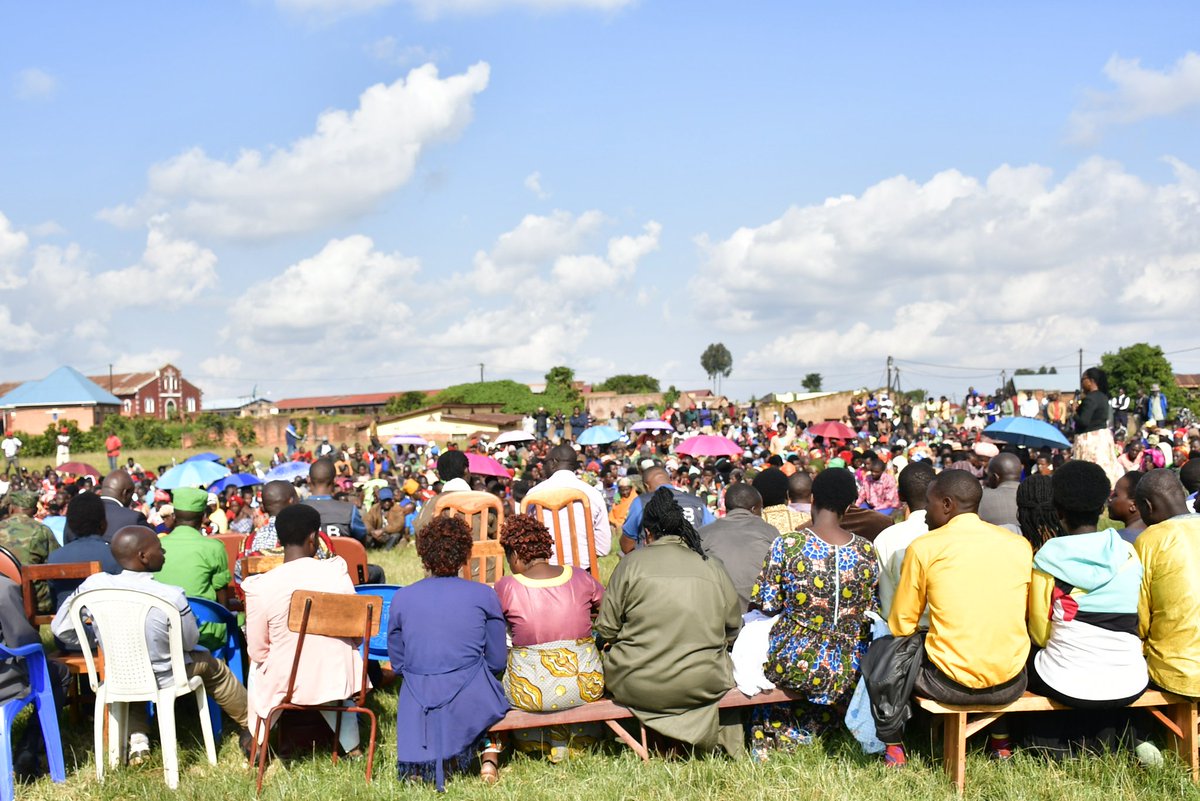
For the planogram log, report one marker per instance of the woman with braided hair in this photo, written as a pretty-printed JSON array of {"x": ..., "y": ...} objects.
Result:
[
  {"x": 1035, "y": 511},
  {"x": 666, "y": 623}
]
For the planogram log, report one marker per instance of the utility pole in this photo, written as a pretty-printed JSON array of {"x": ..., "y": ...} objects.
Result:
[
  {"x": 110, "y": 381},
  {"x": 1081, "y": 361},
  {"x": 1004, "y": 382},
  {"x": 481, "y": 372},
  {"x": 889, "y": 373}
]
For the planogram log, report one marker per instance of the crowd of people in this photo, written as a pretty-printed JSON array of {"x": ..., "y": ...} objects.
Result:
[{"x": 913, "y": 555}]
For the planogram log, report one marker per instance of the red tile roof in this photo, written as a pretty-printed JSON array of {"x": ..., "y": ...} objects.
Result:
[
  {"x": 345, "y": 401},
  {"x": 1188, "y": 380}
]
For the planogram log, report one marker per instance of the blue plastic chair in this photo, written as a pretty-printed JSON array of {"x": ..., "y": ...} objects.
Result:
[
  {"x": 378, "y": 649},
  {"x": 42, "y": 697},
  {"x": 232, "y": 651}
]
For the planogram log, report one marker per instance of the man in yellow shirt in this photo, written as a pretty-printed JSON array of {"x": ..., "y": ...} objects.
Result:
[
  {"x": 1169, "y": 607},
  {"x": 974, "y": 578}
]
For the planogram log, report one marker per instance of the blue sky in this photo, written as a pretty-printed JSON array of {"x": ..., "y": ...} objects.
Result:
[{"x": 603, "y": 183}]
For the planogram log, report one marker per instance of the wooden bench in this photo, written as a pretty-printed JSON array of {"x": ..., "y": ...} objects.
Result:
[
  {"x": 608, "y": 712},
  {"x": 960, "y": 722}
]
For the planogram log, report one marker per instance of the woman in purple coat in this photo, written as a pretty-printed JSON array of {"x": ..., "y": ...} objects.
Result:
[{"x": 446, "y": 637}]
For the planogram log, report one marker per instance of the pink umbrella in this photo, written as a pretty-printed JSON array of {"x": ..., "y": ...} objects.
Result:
[
  {"x": 832, "y": 429},
  {"x": 481, "y": 465},
  {"x": 708, "y": 445}
]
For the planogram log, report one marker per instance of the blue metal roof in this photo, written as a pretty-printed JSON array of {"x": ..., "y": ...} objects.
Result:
[{"x": 66, "y": 386}]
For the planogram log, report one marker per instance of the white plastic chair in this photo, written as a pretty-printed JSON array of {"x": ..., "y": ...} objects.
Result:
[{"x": 119, "y": 619}]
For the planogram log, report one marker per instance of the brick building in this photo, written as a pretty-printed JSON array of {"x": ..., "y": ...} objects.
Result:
[{"x": 163, "y": 393}]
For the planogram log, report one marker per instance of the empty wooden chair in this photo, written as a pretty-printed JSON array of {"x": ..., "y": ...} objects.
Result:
[{"x": 568, "y": 515}]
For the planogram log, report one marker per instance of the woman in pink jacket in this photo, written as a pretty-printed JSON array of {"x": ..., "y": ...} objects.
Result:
[{"x": 331, "y": 669}]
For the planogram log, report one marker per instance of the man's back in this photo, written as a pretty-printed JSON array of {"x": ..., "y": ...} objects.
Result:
[
  {"x": 741, "y": 541},
  {"x": 1169, "y": 607},
  {"x": 974, "y": 576},
  {"x": 999, "y": 504}
]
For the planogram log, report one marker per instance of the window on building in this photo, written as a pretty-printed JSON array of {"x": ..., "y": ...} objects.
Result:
[
  {"x": 127, "y": 406},
  {"x": 191, "y": 404},
  {"x": 148, "y": 405}
]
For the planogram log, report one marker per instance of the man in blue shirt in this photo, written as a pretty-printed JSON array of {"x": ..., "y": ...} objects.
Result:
[
  {"x": 86, "y": 517},
  {"x": 654, "y": 477}
]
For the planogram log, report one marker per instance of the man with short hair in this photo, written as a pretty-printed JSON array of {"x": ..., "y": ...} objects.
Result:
[
  {"x": 11, "y": 446},
  {"x": 561, "y": 464},
  {"x": 116, "y": 490},
  {"x": 86, "y": 515},
  {"x": 1189, "y": 474},
  {"x": 653, "y": 477},
  {"x": 892, "y": 543},
  {"x": 338, "y": 518},
  {"x": 139, "y": 552},
  {"x": 1122, "y": 506},
  {"x": 384, "y": 522},
  {"x": 878, "y": 488},
  {"x": 800, "y": 492},
  {"x": 112, "y": 447},
  {"x": 974, "y": 578},
  {"x": 453, "y": 469},
  {"x": 740, "y": 540},
  {"x": 1169, "y": 608},
  {"x": 999, "y": 503},
  {"x": 30, "y": 541}
]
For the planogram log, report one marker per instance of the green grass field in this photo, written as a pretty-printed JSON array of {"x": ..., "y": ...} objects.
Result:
[{"x": 827, "y": 770}]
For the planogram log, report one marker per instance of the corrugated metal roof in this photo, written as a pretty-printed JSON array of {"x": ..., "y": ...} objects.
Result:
[
  {"x": 124, "y": 383},
  {"x": 66, "y": 386},
  {"x": 1188, "y": 380}
]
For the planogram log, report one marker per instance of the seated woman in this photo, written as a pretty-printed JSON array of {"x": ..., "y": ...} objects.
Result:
[
  {"x": 1083, "y": 618},
  {"x": 331, "y": 668},
  {"x": 1036, "y": 514},
  {"x": 446, "y": 638},
  {"x": 667, "y": 619},
  {"x": 553, "y": 663},
  {"x": 821, "y": 581}
]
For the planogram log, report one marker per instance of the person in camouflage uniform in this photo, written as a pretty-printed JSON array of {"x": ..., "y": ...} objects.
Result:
[{"x": 28, "y": 540}]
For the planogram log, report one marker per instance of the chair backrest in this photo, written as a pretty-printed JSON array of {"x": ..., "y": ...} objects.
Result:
[
  {"x": 119, "y": 618},
  {"x": 384, "y": 593},
  {"x": 10, "y": 565},
  {"x": 233, "y": 650},
  {"x": 233, "y": 546},
  {"x": 33, "y": 573},
  {"x": 253, "y": 565},
  {"x": 333, "y": 614},
  {"x": 552, "y": 503},
  {"x": 355, "y": 555},
  {"x": 487, "y": 557}
]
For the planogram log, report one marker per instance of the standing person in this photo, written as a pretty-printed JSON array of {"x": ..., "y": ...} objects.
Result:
[
  {"x": 1122, "y": 506},
  {"x": 112, "y": 446},
  {"x": 446, "y": 638},
  {"x": 11, "y": 446},
  {"x": 62, "y": 453},
  {"x": 1156, "y": 406},
  {"x": 669, "y": 610},
  {"x": 1093, "y": 439},
  {"x": 1120, "y": 407},
  {"x": 331, "y": 670}
]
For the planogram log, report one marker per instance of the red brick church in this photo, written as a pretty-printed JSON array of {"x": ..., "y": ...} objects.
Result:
[{"x": 162, "y": 393}]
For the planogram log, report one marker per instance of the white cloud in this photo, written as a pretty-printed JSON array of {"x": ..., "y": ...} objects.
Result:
[
  {"x": 348, "y": 294},
  {"x": 535, "y": 242},
  {"x": 35, "y": 84},
  {"x": 221, "y": 366},
  {"x": 533, "y": 182},
  {"x": 13, "y": 245},
  {"x": 16, "y": 337},
  {"x": 333, "y": 9},
  {"x": 340, "y": 172},
  {"x": 958, "y": 270},
  {"x": 47, "y": 228},
  {"x": 1138, "y": 93},
  {"x": 146, "y": 360},
  {"x": 389, "y": 51}
]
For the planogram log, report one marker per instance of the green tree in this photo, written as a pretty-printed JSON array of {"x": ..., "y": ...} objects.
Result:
[
  {"x": 1137, "y": 367},
  {"x": 626, "y": 384},
  {"x": 406, "y": 402},
  {"x": 812, "y": 382},
  {"x": 670, "y": 396},
  {"x": 717, "y": 362}
]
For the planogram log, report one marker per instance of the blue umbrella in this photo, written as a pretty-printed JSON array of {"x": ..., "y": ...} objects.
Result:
[
  {"x": 234, "y": 480},
  {"x": 598, "y": 435},
  {"x": 207, "y": 456},
  {"x": 1027, "y": 431},
  {"x": 192, "y": 474},
  {"x": 288, "y": 471}
]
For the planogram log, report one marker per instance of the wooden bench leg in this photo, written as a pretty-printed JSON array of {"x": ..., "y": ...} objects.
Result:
[
  {"x": 1186, "y": 742},
  {"x": 638, "y": 748},
  {"x": 954, "y": 748}
]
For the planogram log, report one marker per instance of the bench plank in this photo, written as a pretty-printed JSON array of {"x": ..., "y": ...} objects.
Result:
[{"x": 1036, "y": 703}]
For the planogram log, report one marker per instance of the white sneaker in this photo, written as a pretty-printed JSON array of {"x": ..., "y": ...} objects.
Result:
[{"x": 1148, "y": 754}]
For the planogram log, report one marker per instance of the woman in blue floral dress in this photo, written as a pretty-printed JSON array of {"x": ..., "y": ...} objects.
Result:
[{"x": 821, "y": 582}]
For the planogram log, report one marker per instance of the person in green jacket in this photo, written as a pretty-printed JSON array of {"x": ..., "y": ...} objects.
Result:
[
  {"x": 665, "y": 626},
  {"x": 195, "y": 562}
]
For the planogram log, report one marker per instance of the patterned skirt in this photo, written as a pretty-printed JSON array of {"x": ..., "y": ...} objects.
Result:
[
  {"x": 551, "y": 677},
  {"x": 1098, "y": 447}
]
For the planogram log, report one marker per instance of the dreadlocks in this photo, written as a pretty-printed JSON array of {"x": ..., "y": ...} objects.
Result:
[
  {"x": 663, "y": 517},
  {"x": 1036, "y": 512}
]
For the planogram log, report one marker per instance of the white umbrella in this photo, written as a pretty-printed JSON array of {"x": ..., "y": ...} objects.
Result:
[
  {"x": 408, "y": 439},
  {"x": 513, "y": 437}
]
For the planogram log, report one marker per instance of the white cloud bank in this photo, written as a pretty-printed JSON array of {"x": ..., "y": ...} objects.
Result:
[
  {"x": 35, "y": 84},
  {"x": 962, "y": 271},
  {"x": 1138, "y": 93},
  {"x": 331, "y": 9},
  {"x": 351, "y": 162}
]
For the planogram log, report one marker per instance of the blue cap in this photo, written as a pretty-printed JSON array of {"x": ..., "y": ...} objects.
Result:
[{"x": 385, "y": 494}]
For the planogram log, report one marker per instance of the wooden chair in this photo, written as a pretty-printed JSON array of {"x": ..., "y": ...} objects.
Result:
[
  {"x": 233, "y": 546},
  {"x": 30, "y": 574},
  {"x": 10, "y": 565},
  {"x": 355, "y": 555},
  {"x": 554, "y": 501},
  {"x": 253, "y": 565},
  {"x": 325, "y": 614},
  {"x": 486, "y": 563}
]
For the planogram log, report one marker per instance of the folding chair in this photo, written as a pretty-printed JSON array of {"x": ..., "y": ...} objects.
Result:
[
  {"x": 325, "y": 614},
  {"x": 552, "y": 503},
  {"x": 486, "y": 563}
]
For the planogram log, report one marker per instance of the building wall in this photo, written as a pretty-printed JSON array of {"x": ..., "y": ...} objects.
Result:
[
  {"x": 33, "y": 420},
  {"x": 152, "y": 398},
  {"x": 433, "y": 426}
]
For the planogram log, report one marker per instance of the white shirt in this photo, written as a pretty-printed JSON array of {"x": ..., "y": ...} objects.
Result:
[
  {"x": 600, "y": 529},
  {"x": 11, "y": 445},
  {"x": 890, "y": 547}
]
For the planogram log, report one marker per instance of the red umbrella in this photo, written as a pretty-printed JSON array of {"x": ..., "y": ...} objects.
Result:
[
  {"x": 481, "y": 465},
  {"x": 78, "y": 469},
  {"x": 708, "y": 445},
  {"x": 832, "y": 430}
]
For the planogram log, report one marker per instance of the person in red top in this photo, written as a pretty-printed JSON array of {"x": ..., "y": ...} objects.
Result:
[{"x": 112, "y": 446}]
